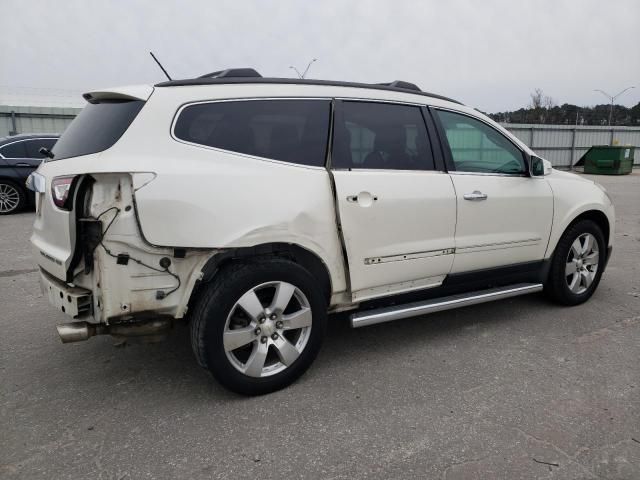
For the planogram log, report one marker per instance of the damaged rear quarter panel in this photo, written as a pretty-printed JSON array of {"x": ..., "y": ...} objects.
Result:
[
  {"x": 126, "y": 290},
  {"x": 216, "y": 199}
]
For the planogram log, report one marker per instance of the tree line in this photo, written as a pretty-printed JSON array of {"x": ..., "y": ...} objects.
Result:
[{"x": 544, "y": 110}]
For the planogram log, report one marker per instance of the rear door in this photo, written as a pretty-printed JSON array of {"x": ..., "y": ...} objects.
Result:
[
  {"x": 504, "y": 215},
  {"x": 396, "y": 208},
  {"x": 30, "y": 156},
  {"x": 10, "y": 153}
]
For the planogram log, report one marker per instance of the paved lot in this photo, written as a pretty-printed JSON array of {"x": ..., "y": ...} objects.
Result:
[{"x": 491, "y": 391}]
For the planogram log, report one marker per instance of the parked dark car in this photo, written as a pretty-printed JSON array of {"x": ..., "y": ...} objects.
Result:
[{"x": 19, "y": 156}]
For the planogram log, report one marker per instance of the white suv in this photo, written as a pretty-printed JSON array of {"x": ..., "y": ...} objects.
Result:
[{"x": 251, "y": 207}]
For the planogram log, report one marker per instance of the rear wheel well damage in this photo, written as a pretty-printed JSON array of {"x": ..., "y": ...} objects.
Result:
[{"x": 303, "y": 257}]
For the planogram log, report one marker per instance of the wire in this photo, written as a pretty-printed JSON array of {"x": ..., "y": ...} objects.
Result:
[
  {"x": 139, "y": 262},
  {"x": 102, "y": 234}
]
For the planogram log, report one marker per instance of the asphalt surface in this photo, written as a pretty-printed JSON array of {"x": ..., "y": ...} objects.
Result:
[{"x": 519, "y": 388}]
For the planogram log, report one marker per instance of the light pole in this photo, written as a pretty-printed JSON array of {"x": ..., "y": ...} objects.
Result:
[
  {"x": 303, "y": 74},
  {"x": 612, "y": 98}
]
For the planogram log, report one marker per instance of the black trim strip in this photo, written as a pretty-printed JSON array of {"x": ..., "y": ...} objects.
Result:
[
  {"x": 434, "y": 140},
  {"x": 296, "y": 81},
  {"x": 528, "y": 272}
]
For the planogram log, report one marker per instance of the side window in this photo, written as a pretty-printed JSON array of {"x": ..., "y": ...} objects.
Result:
[
  {"x": 289, "y": 130},
  {"x": 14, "y": 150},
  {"x": 476, "y": 147},
  {"x": 382, "y": 136},
  {"x": 33, "y": 146}
]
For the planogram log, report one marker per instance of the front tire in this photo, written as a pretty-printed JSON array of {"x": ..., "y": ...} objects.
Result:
[
  {"x": 12, "y": 198},
  {"x": 259, "y": 325},
  {"x": 577, "y": 264}
]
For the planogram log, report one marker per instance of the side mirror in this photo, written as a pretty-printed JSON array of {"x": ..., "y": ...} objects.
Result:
[{"x": 539, "y": 167}]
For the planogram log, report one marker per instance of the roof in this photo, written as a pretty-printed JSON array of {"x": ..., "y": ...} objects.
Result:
[{"x": 300, "y": 81}]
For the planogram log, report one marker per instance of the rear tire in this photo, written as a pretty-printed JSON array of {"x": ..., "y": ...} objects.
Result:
[
  {"x": 13, "y": 198},
  {"x": 258, "y": 325},
  {"x": 577, "y": 264}
]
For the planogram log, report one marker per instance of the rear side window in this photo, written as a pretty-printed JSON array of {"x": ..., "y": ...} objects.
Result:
[
  {"x": 97, "y": 128},
  {"x": 14, "y": 150},
  {"x": 293, "y": 131},
  {"x": 33, "y": 146},
  {"x": 382, "y": 136}
]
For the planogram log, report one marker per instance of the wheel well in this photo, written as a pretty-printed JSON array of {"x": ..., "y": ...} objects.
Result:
[
  {"x": 599, "y": 218},
  {"x": 303, "y": 257},
  {"x": 13, "y": 181}
]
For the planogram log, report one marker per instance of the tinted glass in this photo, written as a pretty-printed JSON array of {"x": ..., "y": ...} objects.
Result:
[
  {"x": 33, "y": 146},
  {"x": 382, "y": 136},
  {"x": 97, "y": 128},
  {"x": 14, "y": 150},
  {"x": 476, "y": 147},
  {"x": 289, "y": 130}
]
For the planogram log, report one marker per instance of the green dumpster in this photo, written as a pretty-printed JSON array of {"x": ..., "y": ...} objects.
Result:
[{"x": 608, "y": 160}]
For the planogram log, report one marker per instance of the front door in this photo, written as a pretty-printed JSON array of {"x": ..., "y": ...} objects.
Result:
[
  {"x": 397, "y": 211},
  {"x": 504, "y": 215}
]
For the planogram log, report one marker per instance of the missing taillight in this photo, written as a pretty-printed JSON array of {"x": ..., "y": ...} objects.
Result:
[{"x": 61, "y": 192}]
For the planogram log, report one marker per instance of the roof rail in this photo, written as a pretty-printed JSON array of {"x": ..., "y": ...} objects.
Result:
[
  {"x": 250, "y": 76},
  {"x": 402, "y": 84},
  {"x": 233, "y": 73}
]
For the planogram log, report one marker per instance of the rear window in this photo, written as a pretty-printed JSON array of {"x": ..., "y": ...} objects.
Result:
[
  {"x": 293, "y": 131},
  {"x": 14, "y": 150},
  {"x": 33, "y": 146},
  {"x": 97, "y": 128}
]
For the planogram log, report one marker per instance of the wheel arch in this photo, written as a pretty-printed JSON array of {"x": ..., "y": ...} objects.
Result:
[
  {"x": 597, "y": 216},
  {"x": 13, "y": 180},
  {"x": 293, "y": 252}
]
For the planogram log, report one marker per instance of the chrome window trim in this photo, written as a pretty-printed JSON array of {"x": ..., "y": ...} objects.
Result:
[
  {"x": 246, "y": 155},
  {"x": 489, "y": 174},
  {"x": 387, "y": 170},
  {"x": 466, "y": 114},
  {"x": 25, "y": 140}
]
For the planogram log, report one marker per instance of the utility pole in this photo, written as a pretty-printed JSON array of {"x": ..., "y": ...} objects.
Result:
[
  {"x": 612, "y": 98},
  {"x": 303, "y": 74}
]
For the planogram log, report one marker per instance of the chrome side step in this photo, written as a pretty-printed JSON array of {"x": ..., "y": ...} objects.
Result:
[{"x": 397, "y": 312}]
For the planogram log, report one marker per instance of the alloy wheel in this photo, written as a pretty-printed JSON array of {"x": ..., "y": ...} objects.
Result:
[
  {"x": 582, "y": 263},
  {"x": 9, "y": 198},
  {"x": 267, "y": 329}
]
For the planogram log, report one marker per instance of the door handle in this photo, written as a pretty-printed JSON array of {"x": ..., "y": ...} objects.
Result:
[
  {"x": 475, "y": 196},
  {"x": 22, "y": 164}
]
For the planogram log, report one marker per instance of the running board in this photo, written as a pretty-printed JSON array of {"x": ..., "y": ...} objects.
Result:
[{"x": 397, "y": 312}]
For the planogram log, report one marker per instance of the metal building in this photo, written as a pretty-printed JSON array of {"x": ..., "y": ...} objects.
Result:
[{"x": 19, "y": 119}]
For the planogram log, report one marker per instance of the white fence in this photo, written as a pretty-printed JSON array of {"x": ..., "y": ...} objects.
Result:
[{"x": 563, "y": 145}]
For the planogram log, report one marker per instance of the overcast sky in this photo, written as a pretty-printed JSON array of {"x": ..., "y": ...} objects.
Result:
[{"x": 489, "y": 54}]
